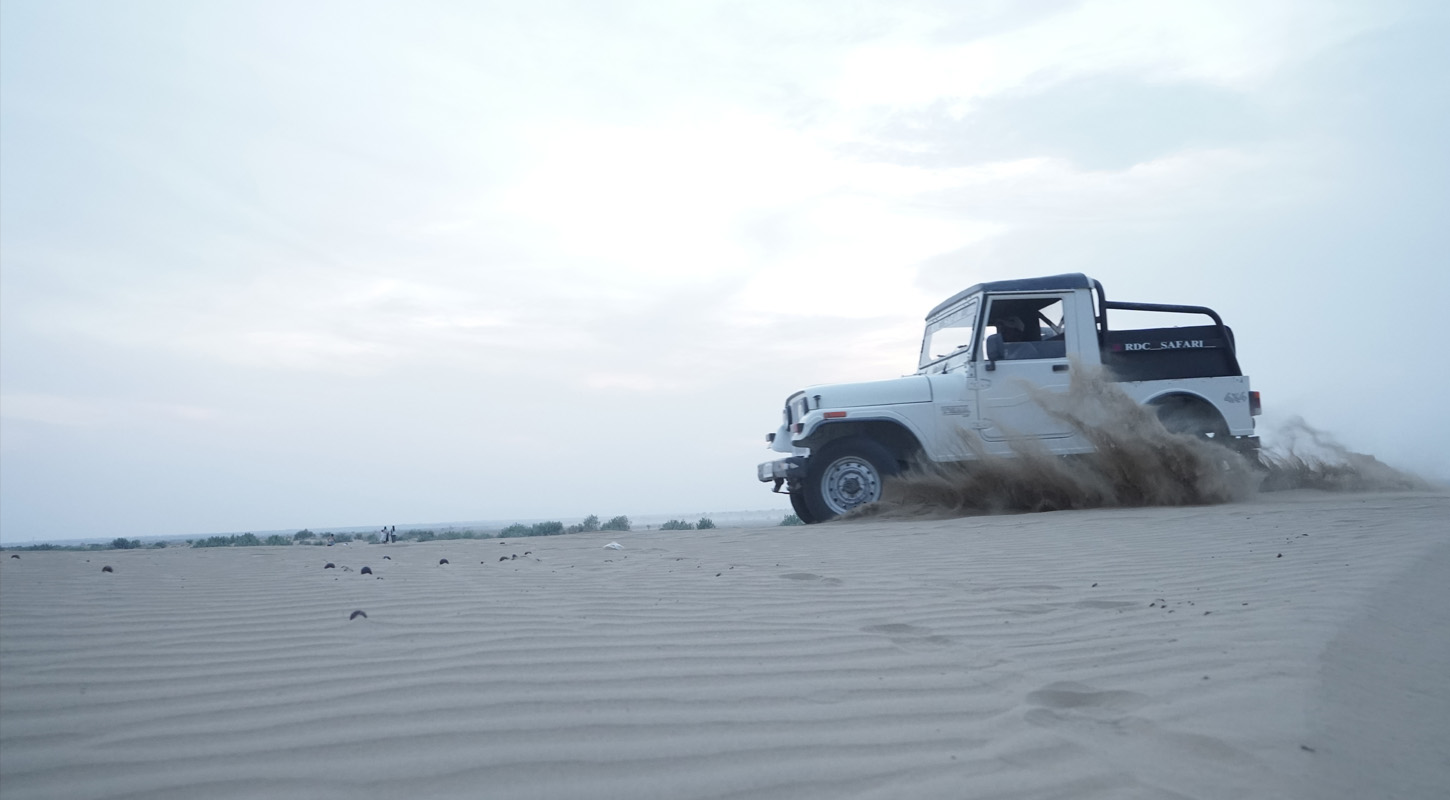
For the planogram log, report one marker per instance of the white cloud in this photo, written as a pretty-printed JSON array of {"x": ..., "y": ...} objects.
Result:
[
  {"x": 77, "y": 412},
  {"x": 51, "y": 410},
  {"x": 1225, "y": 42}
]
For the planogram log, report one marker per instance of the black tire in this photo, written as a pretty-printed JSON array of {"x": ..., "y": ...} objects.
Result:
[
  {"x": 798, "y": 502},
  {"x": 845, "y": 474}
]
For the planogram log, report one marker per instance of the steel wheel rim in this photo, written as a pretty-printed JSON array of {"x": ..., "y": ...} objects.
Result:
[{"x": 849, "y": 482}]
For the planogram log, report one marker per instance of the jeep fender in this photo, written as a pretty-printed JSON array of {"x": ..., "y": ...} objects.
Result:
[{"x": 894, "y": 433}]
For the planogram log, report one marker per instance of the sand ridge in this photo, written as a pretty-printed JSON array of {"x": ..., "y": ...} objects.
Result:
[{"x": 1166, "y": 652}]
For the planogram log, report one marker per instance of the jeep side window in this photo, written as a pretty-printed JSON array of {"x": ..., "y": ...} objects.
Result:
[{"x": 1024, "y": 328}]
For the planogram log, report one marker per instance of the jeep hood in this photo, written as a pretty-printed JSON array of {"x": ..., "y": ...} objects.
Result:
[{"x": 913, "y": 389}]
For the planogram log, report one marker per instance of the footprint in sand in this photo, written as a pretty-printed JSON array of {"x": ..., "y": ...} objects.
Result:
[
  {"x": 811, "y": 577},
  {"x": 1067, "y": 702},
  {"x": 1104, "y": 604},
  {"x": 1076, "y": 705},
  {"x": 909, "y": 637}
]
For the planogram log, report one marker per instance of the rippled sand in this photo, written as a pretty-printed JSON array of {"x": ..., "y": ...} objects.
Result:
[{"x": 1292, "y": 646}]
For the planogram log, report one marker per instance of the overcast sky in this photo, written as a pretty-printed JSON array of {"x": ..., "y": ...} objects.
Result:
[{"x": 273, "y": 265}]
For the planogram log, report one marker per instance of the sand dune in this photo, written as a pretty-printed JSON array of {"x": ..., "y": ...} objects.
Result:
[{"x": 1288, "y": 647}]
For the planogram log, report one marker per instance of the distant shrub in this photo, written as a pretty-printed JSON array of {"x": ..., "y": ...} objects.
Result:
[
  {"x": 244, "y": 540},
  {"x": 303, "y": 535},
  {"x": 515, "y": 530},
  {"x": 122, "y": 543},
  {"x": 451, "y": 535},
  {"x": 339, "y": 538},
  {"x": 792, "y": 519},
  {"x": 677, "y": 525},
  {"x": 372, "y": 538},
  {"x": 620, "y": 523},
  {"x": 159, "y": 545},
  {"x": 590, "y": 523},
  {"x": 277, "y": 540},
  {"x": 546, "y": 528},
  {"x": 704, "y": 524}
]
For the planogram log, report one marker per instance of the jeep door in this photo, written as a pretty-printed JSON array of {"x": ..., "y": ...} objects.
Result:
[{"x": 1022, "y": 361}]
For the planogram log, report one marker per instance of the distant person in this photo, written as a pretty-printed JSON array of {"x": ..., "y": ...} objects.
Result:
[{"x": 331, "y": 540}]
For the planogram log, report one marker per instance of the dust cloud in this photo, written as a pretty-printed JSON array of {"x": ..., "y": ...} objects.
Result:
[
  {"x": 1135, "y": 462},
  {"x": 1308, "y": 458}
]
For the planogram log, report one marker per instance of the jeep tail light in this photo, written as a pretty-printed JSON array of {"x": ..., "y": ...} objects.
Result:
[
  {"x": 1255, "y": 406},
  {"x": 834, "y": 414}
]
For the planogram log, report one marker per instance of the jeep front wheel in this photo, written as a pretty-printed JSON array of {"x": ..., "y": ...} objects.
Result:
[
  {"x": 802, "y": 511},
  {"x": 844, "y": 475}
]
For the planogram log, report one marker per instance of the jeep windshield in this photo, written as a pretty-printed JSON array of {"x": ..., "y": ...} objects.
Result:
[{"x": 950, "y": 334}]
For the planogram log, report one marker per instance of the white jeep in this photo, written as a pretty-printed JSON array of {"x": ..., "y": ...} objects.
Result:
[{"x": 987, "y": 353}]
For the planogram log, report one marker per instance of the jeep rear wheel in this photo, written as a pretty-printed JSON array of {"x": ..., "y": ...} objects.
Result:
[
  {"x": 1192, "y": 417},
  {"x": 844, "y": 475}
]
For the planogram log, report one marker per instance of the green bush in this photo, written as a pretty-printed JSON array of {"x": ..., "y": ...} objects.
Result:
[
  {"x": 538, "y": 529},
  {"x": 620, "y": 523},
  {"x": 452, "y": 535},
  {"x": 277, "y": 540},
  {"x": 677, "y": 525},
  {"x": 704, "y": 524},
  {"x": 792, "y": 519},
  {"x": 589, "y": 525},
  {"x": 303, "y": 535},
  {"x": 122, "y": 543},
  {"x": 244, "y": 540}
]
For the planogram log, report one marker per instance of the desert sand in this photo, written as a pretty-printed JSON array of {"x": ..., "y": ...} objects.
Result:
[{"x": 1292, "y": 646}]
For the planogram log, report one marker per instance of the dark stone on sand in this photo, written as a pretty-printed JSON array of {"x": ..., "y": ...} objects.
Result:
[
  {"x": 358, "y": 613},
  {"x": 13, "y": 555},
  {"x": 387, "y": 558},
  {"x": 503, "y": 558},
  {"x": 442, "y": 561},
  {"x": 329, "y": 565},
  {"x": 366, "y": 571},
  {"x": 107, "y": 569}
]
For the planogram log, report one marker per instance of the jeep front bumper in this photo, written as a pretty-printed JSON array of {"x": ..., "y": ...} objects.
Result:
[{"x": 781, "y": 469}]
